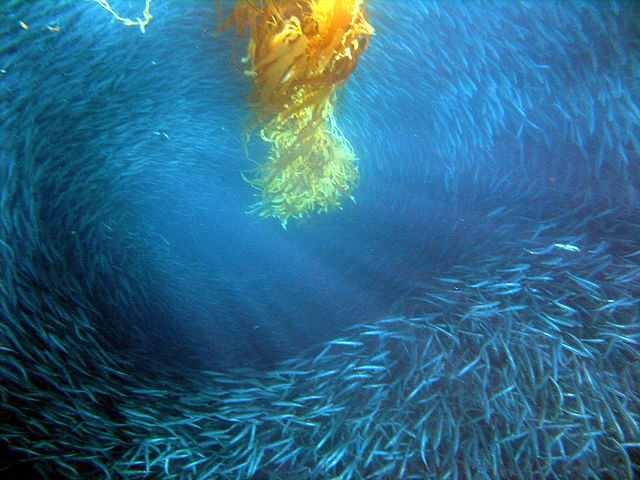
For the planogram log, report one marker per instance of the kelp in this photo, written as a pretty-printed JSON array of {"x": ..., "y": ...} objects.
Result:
[
  {"x": 299, "y": 54},
  {"x": 140, "y": 22}
]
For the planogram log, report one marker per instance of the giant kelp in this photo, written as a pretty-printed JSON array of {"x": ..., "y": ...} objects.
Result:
[{"x": 299, "y": 55}]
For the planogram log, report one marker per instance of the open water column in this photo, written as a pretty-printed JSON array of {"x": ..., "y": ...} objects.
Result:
[{"x": 323, "y": 239}]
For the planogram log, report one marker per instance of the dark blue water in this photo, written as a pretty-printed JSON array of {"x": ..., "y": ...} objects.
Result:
[{"x": 496, "y": 218}]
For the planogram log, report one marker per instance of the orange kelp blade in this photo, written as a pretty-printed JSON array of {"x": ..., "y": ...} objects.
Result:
[{"x": 298, "y": 55}]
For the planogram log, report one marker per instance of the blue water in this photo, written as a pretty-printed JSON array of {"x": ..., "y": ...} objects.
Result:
[{"x": 496, "y": 221}]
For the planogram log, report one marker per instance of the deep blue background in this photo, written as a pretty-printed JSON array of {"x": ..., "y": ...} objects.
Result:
[{"x": 456, "y": 111}]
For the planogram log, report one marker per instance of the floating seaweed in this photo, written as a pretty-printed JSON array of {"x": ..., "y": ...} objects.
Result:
[{"x": 299, "y": 55}]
